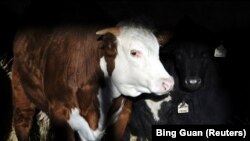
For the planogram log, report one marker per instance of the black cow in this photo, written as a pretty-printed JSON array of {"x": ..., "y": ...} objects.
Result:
[
  {"x": 199, "y": 86},
  {"x": 198, "y": 75}
]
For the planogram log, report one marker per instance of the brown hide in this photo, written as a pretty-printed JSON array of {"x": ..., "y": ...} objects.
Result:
[
  {"x": 57, "y": 69},
  {"x": 120, "y": 125},
  {"x": 109, "y": 42},
  {"x": 116, "y": 131}
]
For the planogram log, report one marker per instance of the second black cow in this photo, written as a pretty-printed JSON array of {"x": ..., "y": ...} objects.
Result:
[{"x": 200, "y": 96}]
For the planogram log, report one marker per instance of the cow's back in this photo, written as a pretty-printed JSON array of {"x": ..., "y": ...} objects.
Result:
[{"x": 51, "y": 61}]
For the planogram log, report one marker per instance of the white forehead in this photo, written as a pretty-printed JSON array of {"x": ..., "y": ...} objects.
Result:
[{"x": 138, "y": 37}]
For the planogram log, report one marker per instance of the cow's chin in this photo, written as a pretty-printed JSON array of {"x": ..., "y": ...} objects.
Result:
[
  {"x": 137, "y": 91},
  {"x": 132, "y": 91},
  {"x": 161, "y": 93}
]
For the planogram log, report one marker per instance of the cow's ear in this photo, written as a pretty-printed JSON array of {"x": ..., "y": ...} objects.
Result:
[
  {"x": 109, "y": 44},
  {"x": 164, "y": 37},
  {"x": 113, "y": 30},
  {"x": 108, "y": 37}
]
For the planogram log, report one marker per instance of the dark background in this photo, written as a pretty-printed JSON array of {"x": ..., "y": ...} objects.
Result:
[{"x": 228, "y": 21}]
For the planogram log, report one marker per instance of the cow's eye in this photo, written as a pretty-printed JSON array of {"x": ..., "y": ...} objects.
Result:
[{"x": 135, "y": 53}]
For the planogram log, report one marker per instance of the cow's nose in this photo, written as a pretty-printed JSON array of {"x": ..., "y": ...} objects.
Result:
[
  {"x": 193, "y": 81},
  {"x": 168, "y": 84}
]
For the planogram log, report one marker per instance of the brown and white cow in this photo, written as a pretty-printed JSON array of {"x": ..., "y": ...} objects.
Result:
[{"x": 77, "y": 74}]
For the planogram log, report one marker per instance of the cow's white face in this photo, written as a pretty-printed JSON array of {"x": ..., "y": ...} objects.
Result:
[{"x": 137, "y": 66}]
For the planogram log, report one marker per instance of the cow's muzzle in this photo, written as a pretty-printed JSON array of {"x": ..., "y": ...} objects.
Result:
[{"x": 193, "y": 83}]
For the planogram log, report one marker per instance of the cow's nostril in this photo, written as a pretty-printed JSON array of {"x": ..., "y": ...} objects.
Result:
[
  {"x": 165, "y": 86},
  {"x": 193, "y": 81},
  {"x": 168, "y": 84}
]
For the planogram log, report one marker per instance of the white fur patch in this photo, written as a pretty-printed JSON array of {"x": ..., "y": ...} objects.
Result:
[
  {"x": 105, "y": 102},
  {"x": 112, "y": 90},
  {"x": 104, "y": 106},
  {"x": 79, "y": 124},
  {"x": 43, "y": 122},
  {"x": 12, "y": 136},
  {"x": 155, "y": 106},
  {"x": 132, "y": 138},
  {"x": 103, "y": 65},
  {"x": 5, "y": 65}
]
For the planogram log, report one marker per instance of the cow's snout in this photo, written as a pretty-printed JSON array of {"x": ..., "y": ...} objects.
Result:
[
  {"x": 167, "y": 84},
  {"x": 162, "y": 86},
  {"x": 193, "y": 83}
]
